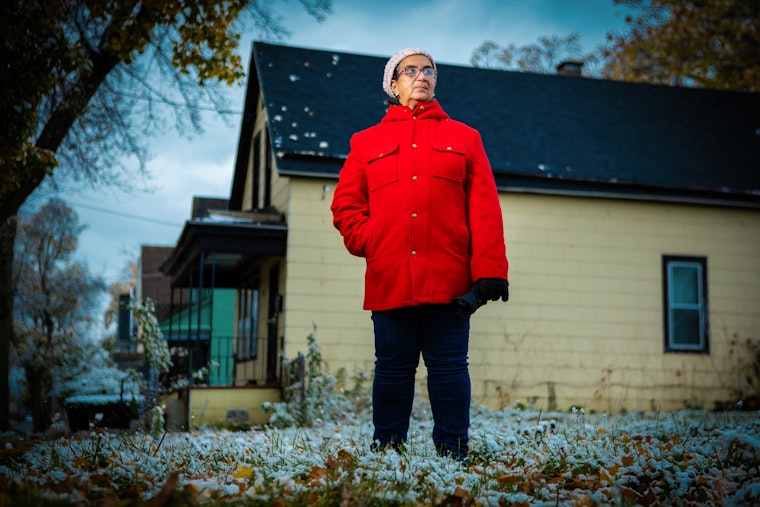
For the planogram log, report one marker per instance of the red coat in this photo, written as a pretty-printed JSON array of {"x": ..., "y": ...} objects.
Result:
[{"x": 417, "y": 199}]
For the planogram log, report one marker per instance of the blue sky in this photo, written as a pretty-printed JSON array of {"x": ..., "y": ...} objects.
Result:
[{"x": 118, "y": 223}]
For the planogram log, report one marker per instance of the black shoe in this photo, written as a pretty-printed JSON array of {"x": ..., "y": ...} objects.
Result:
[
  {"x": 459, "y": 455},
  {"x": 380, "y": 448}
]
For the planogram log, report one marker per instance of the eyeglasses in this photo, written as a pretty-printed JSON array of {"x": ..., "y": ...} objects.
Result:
[{"x": 413, "y": 72}]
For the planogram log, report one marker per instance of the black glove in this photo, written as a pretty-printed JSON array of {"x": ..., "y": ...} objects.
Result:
[
  {"x": 481, "y": 292},
  {"x": 491, "y": 289}
]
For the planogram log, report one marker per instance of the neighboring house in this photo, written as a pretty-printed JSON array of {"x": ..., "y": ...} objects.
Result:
[
  {"x": 632, "y": 221},
  {"x": 200, "y": 335},
  {"x": 198, "y": 323},
  {"x": 151, "y": 282}
]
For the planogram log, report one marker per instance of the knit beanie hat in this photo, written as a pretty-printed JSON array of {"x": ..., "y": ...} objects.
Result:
[{"x": 390, "y": 67}]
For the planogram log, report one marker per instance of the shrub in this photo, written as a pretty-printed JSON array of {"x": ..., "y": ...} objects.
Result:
[{"x": 312, "y": 395}]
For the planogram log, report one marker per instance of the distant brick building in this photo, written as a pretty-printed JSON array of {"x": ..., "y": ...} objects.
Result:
[{"x": 151, "y": 282}]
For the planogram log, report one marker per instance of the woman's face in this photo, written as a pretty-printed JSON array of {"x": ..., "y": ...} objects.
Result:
[{"x": 411, "y": 90}]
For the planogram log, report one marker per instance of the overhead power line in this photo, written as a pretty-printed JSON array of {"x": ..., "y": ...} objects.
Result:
[{"x": 125, "y": 215}]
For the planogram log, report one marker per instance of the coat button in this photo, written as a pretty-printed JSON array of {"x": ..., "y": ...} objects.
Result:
[
  {"x": 414, "y": 178},
  {"x": 414, "y": 252},
  {"x": 448, "y": 148},
  {"x": 414, "y": 215},
  {"x": 414, "y": 145}
]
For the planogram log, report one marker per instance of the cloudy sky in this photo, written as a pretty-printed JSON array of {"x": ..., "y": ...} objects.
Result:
[{"x": 118, "y": 223}]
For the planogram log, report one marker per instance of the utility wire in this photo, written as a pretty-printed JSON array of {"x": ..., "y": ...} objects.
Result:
[{"x": 124, "y": 215}]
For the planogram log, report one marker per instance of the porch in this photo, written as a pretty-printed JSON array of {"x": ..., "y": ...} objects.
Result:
[{"x": 228, "y": 265}]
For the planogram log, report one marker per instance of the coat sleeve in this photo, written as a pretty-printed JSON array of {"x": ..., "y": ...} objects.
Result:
[
  {"x": 489, "y": 256},
  {"x": 350, "y": 205}
]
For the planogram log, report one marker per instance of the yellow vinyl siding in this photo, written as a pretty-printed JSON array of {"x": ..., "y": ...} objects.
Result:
[
  {"x": 584, "y": 324},
  {"x": 280, "y": 191},
  {"x": 213, "y": 406},
  {"x": 325, "y": 283}
]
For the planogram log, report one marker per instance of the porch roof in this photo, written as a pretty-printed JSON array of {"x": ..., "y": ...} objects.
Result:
[{"x": 221, "y": 253}]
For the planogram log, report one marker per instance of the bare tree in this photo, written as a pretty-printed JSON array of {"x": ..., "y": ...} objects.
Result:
[
  {"x": 54, "y": 299},
  {"x": 542, "y": 57}
]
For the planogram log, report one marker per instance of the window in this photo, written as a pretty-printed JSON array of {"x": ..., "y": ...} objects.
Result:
[
  {"x": 268, "y": 171},
  {"x": 256, "y": 176},
  {"x": 685, "y": 304},
  {"x": 247, "y": 337}
]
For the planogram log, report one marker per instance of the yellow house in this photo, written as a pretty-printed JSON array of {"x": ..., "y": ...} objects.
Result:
[{"x": 632, "y": 217}]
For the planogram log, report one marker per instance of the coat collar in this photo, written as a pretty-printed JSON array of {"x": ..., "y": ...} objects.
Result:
[{"x": 423, "y": 111}]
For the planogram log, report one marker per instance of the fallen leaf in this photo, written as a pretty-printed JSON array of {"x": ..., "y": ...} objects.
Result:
[
  {"x": 243, "y": 472},
  {"x": 166, "y": 495},
  {"x": 316, "y": 475},
  {"x": 510, "y": 480},
  {"x": 450, "y": 501}
]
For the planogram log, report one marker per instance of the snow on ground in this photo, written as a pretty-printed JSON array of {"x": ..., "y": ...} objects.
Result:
[{"x": 517, "y": 458}]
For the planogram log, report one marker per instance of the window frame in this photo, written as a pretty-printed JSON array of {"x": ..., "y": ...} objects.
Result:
[
  {"x": 700, "y": 264},
  {"x": 247, "y": 324}
]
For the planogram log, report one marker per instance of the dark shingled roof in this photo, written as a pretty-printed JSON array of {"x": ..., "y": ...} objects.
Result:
[{"x": 544, "y": 133}]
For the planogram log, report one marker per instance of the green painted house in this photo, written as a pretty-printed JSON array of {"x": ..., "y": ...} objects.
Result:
[{"x": 203, "y": 333}]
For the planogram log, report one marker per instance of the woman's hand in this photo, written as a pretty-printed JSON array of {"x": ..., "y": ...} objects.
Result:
[{"x": 491, "y": 289}]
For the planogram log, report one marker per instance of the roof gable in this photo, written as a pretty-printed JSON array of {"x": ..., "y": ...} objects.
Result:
[{"x": 541, "y": 132}]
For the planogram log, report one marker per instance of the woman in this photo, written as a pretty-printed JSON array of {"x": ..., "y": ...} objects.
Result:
[{"x": 417, "y": 199}]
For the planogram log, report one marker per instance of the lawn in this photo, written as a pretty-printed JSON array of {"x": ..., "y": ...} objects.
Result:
[{"x": 518, "y": 457}]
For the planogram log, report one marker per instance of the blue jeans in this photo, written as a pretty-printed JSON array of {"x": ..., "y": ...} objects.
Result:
[{"x": 442, "y": 337}]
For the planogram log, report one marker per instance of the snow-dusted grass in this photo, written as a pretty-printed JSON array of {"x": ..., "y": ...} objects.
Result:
[{"x": 517, "y": 458}]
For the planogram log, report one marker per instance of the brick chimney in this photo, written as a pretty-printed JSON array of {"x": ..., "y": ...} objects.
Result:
[{"x": 570, "y": 68}]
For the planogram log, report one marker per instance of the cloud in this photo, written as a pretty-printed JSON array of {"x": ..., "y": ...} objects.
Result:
[
  {"x": 449, "y": 29},
  {"x": 119, "y": 222}
]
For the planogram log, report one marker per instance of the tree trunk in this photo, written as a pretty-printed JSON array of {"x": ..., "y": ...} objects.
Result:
[
  {"x": 38, "y": 384},
  {"x": 7, "y": 237},
  {"x": 10, "y": 202}
]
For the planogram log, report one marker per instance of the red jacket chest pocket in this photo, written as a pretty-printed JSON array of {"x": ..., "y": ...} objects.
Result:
[
  {"x": 382, "y": 167},
  {"x": 449, "y": 160}
]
